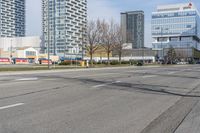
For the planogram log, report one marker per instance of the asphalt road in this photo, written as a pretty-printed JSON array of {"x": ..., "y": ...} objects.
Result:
[{"x": 111, "y": 100}]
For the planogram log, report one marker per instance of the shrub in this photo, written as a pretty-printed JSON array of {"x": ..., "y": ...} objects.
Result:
[
  {"x": 76, "y": 62},
  {"x": 133, "y": 62},
  {"x": 104, "y": 62},
  {"x": 98, "y": 63},
  {"x": 65, "y": 63},
  {"x": 114, "y": 62},
  {"x": 94, "y": 62},
  {"x": 139, "y": 63},
  {"x": 125, "y": 62},
  {"x": 69, "y": 63},
  {"x": 136, "y": 63}
]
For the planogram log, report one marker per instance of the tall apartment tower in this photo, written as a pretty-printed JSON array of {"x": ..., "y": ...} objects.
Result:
[
  {"x": 132, "y": 24},
  {"x": 65, "y": 23},
  {"x": 177, "y": 26},
  {"x": 12, "y": 18}
]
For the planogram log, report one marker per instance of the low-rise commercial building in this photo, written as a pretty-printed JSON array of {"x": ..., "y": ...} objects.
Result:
[
  {"x": 143, "y": 54},
  {"x": 27, "y": 52},
  {"x": 184, "y": 54},
  {"x": 24, "y": 52}
]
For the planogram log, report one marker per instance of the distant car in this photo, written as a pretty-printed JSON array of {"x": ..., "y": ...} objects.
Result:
[
  {"x": 198, "y": 62},
  {"x": 44, "y": 61},
  {"x": 5, "y": 61},
  {"x": 20, "y": 61},
  {"x": 182, "y": 63}
]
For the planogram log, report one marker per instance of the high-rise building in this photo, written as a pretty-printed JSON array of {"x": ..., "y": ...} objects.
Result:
[
  {"x": 12, "y": 18},
  {"x": 64, "y": 22},
  {"x": 176, "y": 26},
  {"x": 132, "y": 24}
]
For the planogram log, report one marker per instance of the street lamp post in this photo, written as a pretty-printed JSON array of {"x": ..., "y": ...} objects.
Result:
[
  {"x": 82, "y": 44},
  {"x": 11, "y": 49},
  {"x": 48, "y": 38},
  {"x": 187, "y": 52},
  {"x": 162, "y": 42},
  {"x": 143, "y": 55}
]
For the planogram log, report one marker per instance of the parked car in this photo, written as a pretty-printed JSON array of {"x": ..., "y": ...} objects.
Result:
[
  {"x": 5, "y": 61},
  {"x": 182, "y": 63},
  {"x": 20, "y": 61},
  {"x": 44, "y": 61}
]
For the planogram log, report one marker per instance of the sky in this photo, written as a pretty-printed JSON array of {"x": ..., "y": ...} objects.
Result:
[{"x": 103, "y": 9}]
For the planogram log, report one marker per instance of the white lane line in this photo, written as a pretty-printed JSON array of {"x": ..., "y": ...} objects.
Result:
[
  {"x": 136, "y": 71},
  {"x": 149, "y": 76},
  {"x": 27, "y": 79},
  {"x": 11, "y": 106},
  {"x": 171, "y": 73},
  {"x": 188, "y": 69},
  {"x": 102, "y": 74},
  {"x": 102, "y": 85}
]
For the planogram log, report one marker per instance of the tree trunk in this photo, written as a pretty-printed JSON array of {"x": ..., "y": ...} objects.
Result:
[
  {"x": 91, "y": 59},
  {"x": 120, "y": 57},
  {"x": 108, "y": 55}
]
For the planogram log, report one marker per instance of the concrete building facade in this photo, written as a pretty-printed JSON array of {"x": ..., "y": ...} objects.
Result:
[
  {"x": 64, "y": 22},
  {"x": 12, "y": 18},
  {"x": 132, "y": 24}
]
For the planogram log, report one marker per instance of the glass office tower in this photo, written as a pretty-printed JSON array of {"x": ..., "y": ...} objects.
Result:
[
  {"x": 132, "y": 24},
  {"x": 176, "y": 26},
  {"x": 65, "y": 22},
  {"x": 12, "y": 18}
]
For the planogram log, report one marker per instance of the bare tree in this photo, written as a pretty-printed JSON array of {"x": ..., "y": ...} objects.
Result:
[
  {"x": 108, "y": 38},
  {"x": 93, "y": 35},
  {"x": 119, "y": 42}
]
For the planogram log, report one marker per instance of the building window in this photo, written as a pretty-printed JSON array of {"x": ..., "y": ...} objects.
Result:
[
  {"x": 174, "y": 39},
  {"x": 30, "y": 53},
  {"x": 189, "y": 26}
]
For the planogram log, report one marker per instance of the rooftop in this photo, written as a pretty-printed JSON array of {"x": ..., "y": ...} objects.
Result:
[
  {"x": 176, "y": 7},
  {"x": 133, "y": 12}
]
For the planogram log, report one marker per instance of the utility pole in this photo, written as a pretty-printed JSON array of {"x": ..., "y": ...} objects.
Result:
[
  {"x": 54, "y": 27},
  {"x": 162, "y": 42},
  {"x": 187, "y": 52},
  {"x": 82, "y": 45},
  {"x": 143, "y": 48},
  {"x": 11, "y": 49}
]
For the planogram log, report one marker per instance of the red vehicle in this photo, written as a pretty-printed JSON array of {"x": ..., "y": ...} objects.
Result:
[
  {"x": 20, "y": 61},
  {"x": 5, "y": 61},
  {"x": 44, "y": 61}
]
